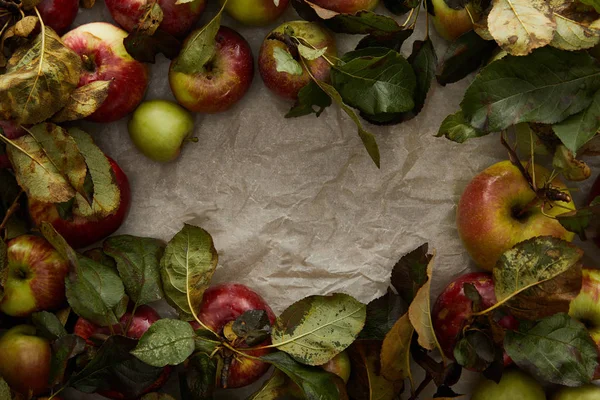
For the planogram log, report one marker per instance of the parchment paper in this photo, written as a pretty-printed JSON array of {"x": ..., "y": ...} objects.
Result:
[{"x": 295, "y": 206}]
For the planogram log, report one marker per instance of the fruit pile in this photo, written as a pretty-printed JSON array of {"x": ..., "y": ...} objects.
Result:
[{"x": 78, "y": 307}]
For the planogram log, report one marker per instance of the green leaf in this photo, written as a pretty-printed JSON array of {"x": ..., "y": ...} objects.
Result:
[
  {"x": 253, "y": 326},
  {"x": 475, "y": 351},
  {"x": 393, "y": 41},
  {"x": 593, "y": 3},
  {"x": 361, "y": 23},
  {"x": 382, "y": 314},
  {"x": 187, "y": 267},
  {"x": 464, "y": 55},
  {"x": 309, "y": 96},
  {"x": 581, "y": 221},
  {"x": 199, "y": 47},
  {"x": 284, "y": 62},
  {"x": 314, "y": 382},
  {"x": 279, "y": 386},
  {"x": 580, "y": 128},
  {"x": 558, "y": 349},
  {"x": 456, "y": 128},
  {"x": 166, "y": 342},
  {"x": 366, "y": 381},
  {"x": 107, "y": 196},
  {"x": 367, "y": 137},
  {"x": 423, "y": 60},
  {"x": 144, "y": 47},
  {"x": 409, "y": 274},
  {"x": 565, "y": 163},
  {"x": 530, "y": 263},
  {"x": 309, "y": 53},
  {"x": 375, "y": 83},
  {"x": 60, "y": 245},
  {"x": 38, "y": 80},
  {"x": 316, "y": 328},
  {"x": 205, "y": 341},
  {"x": 64, "y": 349},
  {"x": 401, "y": 7},
  {"x": 48, "y": 325},
  {"x": 546, "y": 87},
  {"x": 138, "y": 262},
  {"x": 200, "y": 377},
  {"x": 93, "y": 292}
]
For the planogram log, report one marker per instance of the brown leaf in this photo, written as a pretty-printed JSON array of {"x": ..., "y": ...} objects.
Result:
[
  {"x": 323, "y": 13},
  {"x": 29, "y": 4},
  {"x": 83, "y": 101},
  {"x": 87, "y": 3},
  {"x": 395, "y": 351},
  {"x": 39, "y": 79},
  {"x": 151, "y": 19},
  {"x": 520, "y": 26},
  {"x": 366, "y": 382},
  {"x": 548, "y": 298},
  {"x": 23, "y": 28},
  {"x": 571, "y": 168},
  {"x": 575, "y": 29},
  {"x": 63, "y": 315}
]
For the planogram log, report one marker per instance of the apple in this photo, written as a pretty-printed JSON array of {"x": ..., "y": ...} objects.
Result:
[
  {"x": 255, "y": 12},
  {"x": 513, "y": 385},
  {"x": 36, "y": 277},
  {"x": 451, "y": 23},
  {"x": 178, "y": 19},
  {"x": 453, "y": 310},
  {"x": 143, "y": 318},
  {"x": 587, "y": 392},
  {"x": 586, "y": 306},
  {"x": 222, "y": 82},
  {"x": 58, "y": 14},
  {"x": 25, "y": 360},
  {"x": 82, "y": 231},
  {"x": 339, "y": 365},
  {"x": 100, "y": 46},
  {"x": 282, "y": 83},
  {"x": 347, "y": 6},
  {"x": 158, "y": 128},
  {"x": 495, "y": 212},
  {"x": 224, "y": 303},
  {"x": 12, "y": 130}
]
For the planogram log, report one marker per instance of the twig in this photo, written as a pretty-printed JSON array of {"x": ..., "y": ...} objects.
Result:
[{"x": 11, "y": 210}]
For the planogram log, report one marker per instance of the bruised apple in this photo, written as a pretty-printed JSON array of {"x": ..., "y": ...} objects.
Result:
[{"x": 224, "y": 303}]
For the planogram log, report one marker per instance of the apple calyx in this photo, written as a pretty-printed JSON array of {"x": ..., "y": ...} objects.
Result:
[{"x": 88, "y": 62}]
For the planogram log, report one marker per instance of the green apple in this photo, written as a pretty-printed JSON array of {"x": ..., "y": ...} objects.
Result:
[
  {"x": 158, "y": 128},
  {"x": 496, "y": 211},
  {"x": 587, "y": 392},
  {"x": 514, "y": 385},
  {"x": 586, "y": 306},
  {"x": 255, "y": 12},
  {"x": 451, "y": 23},
  {"x": 339, "y": 365},
  {"x": 25, "y": 360}
]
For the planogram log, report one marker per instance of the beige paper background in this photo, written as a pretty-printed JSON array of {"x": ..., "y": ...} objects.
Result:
[{"x": 295, "y": 206}]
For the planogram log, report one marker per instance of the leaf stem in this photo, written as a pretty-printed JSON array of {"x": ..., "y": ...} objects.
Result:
[
  {"x": 412, "y": 11},
  {"x": 22, "y": 150},
  {"x": 11, "y": 210}
]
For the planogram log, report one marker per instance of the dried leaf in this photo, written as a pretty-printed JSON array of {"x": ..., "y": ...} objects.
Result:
[
  {"x": 87, "y": 3},
  {"x": 39, "y": 79},
  {"x": 152, "y": 17},
  {"x": 519, "y": 26},
  {"x": 575, "y": 30},
  {"x": 395, "y": 351},
  {"x": 23, "y": 28},
  {"x": 572, "y": 169},
  {"x": 83, "y": 101}
]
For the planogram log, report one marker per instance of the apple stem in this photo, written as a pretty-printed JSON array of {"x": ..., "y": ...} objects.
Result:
[
  {"x": 11, "y": 210},
  {"x": 192, "y": 139}
]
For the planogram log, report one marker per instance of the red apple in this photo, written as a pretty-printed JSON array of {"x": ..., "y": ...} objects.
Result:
[
  {"x": 453, "y": 310},
  {"x": 586, "y": 306},
  {"x": 283, "y": 83},
  {"x": 178, "y": 19},
  {"x": 495, "y": 212},
  {"x": 101, "y": 48},
  {"x": 12, "y": 130},
  {"x": 223, "y": 82},
  {"x": 347, "y": 6},
  {"x": 25, "y": 360},
  {"x": 82, "y": 231},
  {"x": 36, "y": 277},
  {"x": 224, "y": 303},
  {"x": 255, "y": 12},
  {"x": 143, "y": 318},
  {"x": 58, "y": 14}
]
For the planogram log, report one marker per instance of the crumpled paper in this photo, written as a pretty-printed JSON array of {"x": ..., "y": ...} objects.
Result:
[{"x": 295, "y": 206}]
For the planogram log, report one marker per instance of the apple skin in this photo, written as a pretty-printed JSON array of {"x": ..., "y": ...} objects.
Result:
[
  {"x": 178, "y": 19},
  {"x": 144, "y": 317},
  {"x": 453, "y": 309},
  {"x": 339, "y": 365},
  {"x": 36, "y": 277},
  {"x": 586, "y": 307},
  {"x": 587, "y": 392},
  {"x": 81, "y": 231},
  {"x": 58, "y": 14},
  {"x": 229, "y": 78},
  {"x": 12, "y": 130},
  {"x": 25, "y": 360},
  {"x": 255, "y": 12},
  {"x": 450, "y": 23},
  {"x": 288, "y": 85},
  {"x": 347, "y": 6},
  {"x": 100, "y": 46},
  {"x": 485, "y": 211},
  {"x": 225, "y": 303},
  {"x": 513, "y": 385},
  {"x": 158, "y": 128}
]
